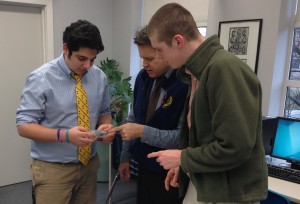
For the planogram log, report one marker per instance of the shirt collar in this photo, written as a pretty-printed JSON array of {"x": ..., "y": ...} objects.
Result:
[
  {"x": 63, "y": 65},
  {"x": 168, "y": 73}
]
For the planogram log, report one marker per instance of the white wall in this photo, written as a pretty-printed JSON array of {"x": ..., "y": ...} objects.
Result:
[
  {"x": 276, "y": 15},
  {"x": 126, "y": 19},
  {"x": 98, "y": 12},
  {"x": 198, "y": 8}
]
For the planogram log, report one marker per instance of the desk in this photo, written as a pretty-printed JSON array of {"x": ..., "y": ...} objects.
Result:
[{"x": 289, "y": 189}]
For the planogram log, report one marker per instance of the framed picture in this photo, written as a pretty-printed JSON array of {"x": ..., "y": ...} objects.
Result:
[{"x": 242, "y": 38}]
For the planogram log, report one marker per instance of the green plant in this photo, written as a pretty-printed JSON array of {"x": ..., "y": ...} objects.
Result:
[{"x": 120, "y": 89}]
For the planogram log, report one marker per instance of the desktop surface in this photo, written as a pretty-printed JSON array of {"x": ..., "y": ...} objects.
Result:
[
  {"x": 279, "y": 185},
  {"x": 289, "y": 189}
]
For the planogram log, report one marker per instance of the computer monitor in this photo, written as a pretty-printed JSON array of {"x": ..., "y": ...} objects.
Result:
[
  {"x": 269, "y": 127},
  {"x": 287, "y": 141}
]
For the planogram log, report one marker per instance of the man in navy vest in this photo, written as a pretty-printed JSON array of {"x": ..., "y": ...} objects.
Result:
[{"x": 148, "y": 131}]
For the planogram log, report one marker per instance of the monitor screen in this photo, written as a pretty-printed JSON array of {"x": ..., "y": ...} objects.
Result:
[{"x": 287, "y": 140}]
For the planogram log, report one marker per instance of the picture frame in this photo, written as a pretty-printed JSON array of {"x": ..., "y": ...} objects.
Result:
[{"x": 242, "y": 38}]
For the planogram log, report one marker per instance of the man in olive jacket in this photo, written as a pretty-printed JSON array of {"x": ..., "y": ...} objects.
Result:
[{"x": 221, "y": 148}]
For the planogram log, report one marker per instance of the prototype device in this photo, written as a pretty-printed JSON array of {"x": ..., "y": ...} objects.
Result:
[{"x": 99, "y": 133}]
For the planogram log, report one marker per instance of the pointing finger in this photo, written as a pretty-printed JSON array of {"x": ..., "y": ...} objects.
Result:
[
  {"x": 153, "y": 154},
  {"x": 115, "y": 129}
]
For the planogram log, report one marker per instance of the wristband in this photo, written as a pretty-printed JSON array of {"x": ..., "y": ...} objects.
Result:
[
  {"x": 62, "y": 134},
  {"x": 67, "y": 135},
  {"x": 58, "y": 135}
]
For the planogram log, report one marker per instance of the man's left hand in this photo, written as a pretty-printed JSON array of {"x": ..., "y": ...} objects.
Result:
[{"x": 109, "y": 136}]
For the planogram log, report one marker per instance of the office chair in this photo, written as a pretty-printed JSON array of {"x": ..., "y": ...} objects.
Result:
[{"x": 275, "y": 198}]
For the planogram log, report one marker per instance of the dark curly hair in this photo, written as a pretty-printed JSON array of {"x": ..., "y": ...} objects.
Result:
[{"x": 80, "y": 34}]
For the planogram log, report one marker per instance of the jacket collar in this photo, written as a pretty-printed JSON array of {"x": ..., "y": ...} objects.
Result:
[{"x": 204, "y": 52}]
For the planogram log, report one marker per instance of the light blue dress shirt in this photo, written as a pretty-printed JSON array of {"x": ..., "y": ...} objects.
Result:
[{"x": 49, "y": 99}]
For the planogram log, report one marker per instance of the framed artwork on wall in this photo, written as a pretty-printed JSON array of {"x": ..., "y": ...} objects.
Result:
[{"x": 242, "y": 38}]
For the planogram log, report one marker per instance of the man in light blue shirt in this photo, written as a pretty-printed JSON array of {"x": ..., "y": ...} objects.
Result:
[{"x": 48, "y": 116}]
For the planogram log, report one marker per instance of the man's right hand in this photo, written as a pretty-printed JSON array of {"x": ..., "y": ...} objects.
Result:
[
  {"x": 124, "y": 171},
  {"x": 129, "y": 131},
  {"x": 81, "y": 137}
]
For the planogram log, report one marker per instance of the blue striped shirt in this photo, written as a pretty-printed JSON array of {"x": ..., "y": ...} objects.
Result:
[{"x": 49, "y": 99}]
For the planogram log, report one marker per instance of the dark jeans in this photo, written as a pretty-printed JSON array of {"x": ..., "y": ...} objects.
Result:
[{"x": 151, "y": 189}]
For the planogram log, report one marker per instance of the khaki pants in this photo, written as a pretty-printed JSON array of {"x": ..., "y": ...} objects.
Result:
[
  {"x": 191, "y": 197},
  {"x": 65, "y": 183}
]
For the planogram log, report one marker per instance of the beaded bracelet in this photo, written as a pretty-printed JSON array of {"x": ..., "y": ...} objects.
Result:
[
  {"x": 58, "y": 135},
  {"x": 67, "y": 135}
]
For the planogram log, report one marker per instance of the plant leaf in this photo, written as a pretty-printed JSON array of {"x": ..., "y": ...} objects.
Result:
[{"x": 120, "y": 90}]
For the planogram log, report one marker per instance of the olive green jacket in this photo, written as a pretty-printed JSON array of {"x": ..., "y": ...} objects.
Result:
[{"x": 223, "y": 151}]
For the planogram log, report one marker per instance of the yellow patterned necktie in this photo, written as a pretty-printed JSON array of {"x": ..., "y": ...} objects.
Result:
[{"x": 84, "y": 153}]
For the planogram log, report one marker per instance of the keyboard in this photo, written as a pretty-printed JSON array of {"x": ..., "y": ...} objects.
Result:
[{"x": 284, "y": 173}]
